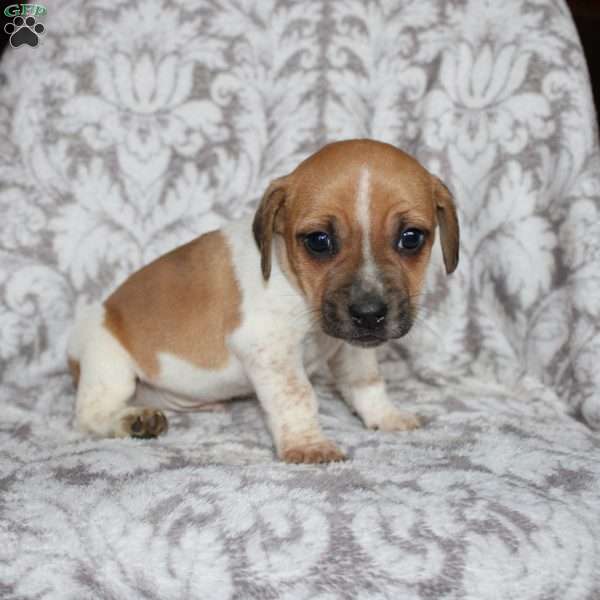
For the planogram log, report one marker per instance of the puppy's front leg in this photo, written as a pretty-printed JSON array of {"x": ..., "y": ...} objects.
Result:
[
  {"x": 357, "y": 376},
  {"x": 290, "y": 404}
]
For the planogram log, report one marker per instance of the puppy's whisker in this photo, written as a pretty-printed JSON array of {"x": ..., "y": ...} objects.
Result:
[
  {"x": 313, "y": 315},
  {"x": 430, "y": 311},
  {"x": 420, "y": 322},
  {"x": 422, "y": 312}
]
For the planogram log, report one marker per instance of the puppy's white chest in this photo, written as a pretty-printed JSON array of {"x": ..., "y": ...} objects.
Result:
[{"x": 318, "y": 349}]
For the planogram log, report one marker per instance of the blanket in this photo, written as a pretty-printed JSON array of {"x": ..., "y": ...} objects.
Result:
[{"x": 130, "y": 127}]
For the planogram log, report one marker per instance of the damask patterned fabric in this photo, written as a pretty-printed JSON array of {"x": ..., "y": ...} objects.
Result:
[{"x": 135, "y": 126}]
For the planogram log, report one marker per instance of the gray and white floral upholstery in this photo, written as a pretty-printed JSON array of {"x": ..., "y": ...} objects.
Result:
[{"x": 137, "y": 125}]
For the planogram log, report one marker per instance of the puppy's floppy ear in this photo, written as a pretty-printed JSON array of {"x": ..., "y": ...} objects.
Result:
[
  {"x": 263, "y": 225},
  {"x": 448, "y": 222}
]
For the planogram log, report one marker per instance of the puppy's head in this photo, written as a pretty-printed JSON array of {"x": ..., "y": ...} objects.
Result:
[{"x": 357, "y": 220}]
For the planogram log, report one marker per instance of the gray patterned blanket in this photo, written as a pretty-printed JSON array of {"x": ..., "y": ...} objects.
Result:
[{"x": 133, "y": 126}]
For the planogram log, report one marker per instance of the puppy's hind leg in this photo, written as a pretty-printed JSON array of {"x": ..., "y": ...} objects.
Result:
[{"x": 107, "y": 381}]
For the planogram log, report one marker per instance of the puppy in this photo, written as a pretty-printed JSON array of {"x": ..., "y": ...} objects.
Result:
[{"x": 329, "y": 268}]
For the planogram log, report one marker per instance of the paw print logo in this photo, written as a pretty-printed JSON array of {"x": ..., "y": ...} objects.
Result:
[{"x": 24, "y": 31}]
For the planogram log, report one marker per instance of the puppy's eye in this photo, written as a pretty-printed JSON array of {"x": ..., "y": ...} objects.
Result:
[
  {"x": 319, "y": 243},
  {"x": 411, "y": 240}
]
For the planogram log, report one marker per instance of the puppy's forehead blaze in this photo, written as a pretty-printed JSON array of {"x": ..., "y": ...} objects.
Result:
[
  {"x": 362, "y": 200},
  {"x": 328, "y": 181}
]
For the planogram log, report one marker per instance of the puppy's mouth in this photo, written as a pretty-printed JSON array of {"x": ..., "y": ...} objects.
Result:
[
  {"x": 366, "y": 340},
  {"x": 362, "y": 339},
  {"x": 345, "y": 329}
]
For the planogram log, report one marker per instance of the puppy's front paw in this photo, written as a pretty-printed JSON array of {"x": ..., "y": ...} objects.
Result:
[
  {"x": 318, "y": 452},
  {"x": 144, "y": 423},
  {"x": 395, "y": 420}
]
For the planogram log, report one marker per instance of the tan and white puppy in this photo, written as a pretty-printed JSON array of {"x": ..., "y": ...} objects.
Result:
[{"x": 329, "y": 268}]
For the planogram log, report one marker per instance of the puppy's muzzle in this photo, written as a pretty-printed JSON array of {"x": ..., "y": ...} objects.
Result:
[
  {"x": 369, "y": 313},
  {"x": 366, "y": 318}
]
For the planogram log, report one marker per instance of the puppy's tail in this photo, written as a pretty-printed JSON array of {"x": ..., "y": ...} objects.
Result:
[{"x": 87, "y": 319}]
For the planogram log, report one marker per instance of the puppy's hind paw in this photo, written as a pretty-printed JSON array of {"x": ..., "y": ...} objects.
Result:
[{"x": 144, "y": 423}]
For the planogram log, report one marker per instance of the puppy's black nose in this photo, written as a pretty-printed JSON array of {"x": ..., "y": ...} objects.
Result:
[{"x": 369, "y": 312}]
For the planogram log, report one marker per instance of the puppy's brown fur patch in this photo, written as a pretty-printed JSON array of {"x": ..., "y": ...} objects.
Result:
[{"x": 184, "y": 303}]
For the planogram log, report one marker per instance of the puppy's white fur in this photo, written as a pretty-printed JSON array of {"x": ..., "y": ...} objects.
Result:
[
  {"x": 108, "y": 375},
  {"x": 363, "y": 204}
]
